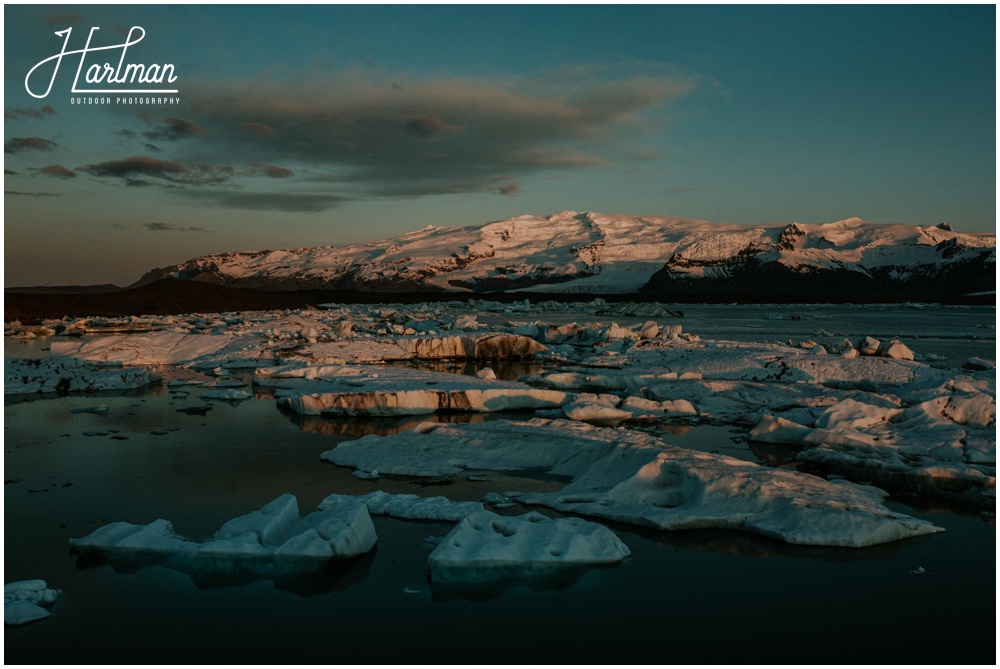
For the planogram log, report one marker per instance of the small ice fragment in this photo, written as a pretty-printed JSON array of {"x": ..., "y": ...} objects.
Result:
[
  {"x": 99, "y": 409},
  {"x": 411, "y": 591},
  {"x": 196, "y": 409},
  {"x": 365, "y": 476},
  {"x": 919, "y": 570},
  {"x": 478, "y": 477}
]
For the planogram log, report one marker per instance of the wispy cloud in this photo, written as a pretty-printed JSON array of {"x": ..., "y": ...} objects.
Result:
[
  {"x": 509, "y": 189},
  {"x": 172, "y": 129},
  {"x": 54, "y": 19},
  {"x": 17, "y": 192},
  {"x": 18, "y": 144},
  {"x": 129, "y": 168},
  {"x": 398, "y": 136},
  {"x": 29, "y": 113},
  {"x": 272, "y": 171},
  {"x": 157, "y": 226},
  {"x": 57, "y": 171}
]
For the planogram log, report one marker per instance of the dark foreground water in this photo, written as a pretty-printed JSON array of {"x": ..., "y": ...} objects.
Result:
[{"x": 683, "y": 597}]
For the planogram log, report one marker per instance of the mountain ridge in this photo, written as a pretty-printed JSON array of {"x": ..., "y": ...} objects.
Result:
[{"x": 587, "y": 252}]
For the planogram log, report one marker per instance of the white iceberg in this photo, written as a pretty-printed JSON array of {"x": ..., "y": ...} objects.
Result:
[
  {"x": 410, "y": 507},
  {"x": 54, "y": 375},
  {"x": 23, "y": 601},
  {"x": 486, "y": 547},
  {"x": 272, "y": 541},
  {"x": 632, "y": 477}
]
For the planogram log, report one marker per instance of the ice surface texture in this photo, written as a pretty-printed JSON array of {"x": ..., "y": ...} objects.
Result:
[
  {"x": 55, "y": 375},
  {"x": 23, "y": 600},
  {"x": 487, "y": 547},
  {"x": 271, "y": 541},
  {"x": 633, "y": 477}
]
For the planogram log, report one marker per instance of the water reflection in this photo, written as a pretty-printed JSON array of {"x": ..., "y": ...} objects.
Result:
[
  {"x": 153, "y": 390},
  {"x": 383, "y": 426},
  {"x": 301, "y": 577},
  {"x": 505, "y": 370},
  {"x": 490, "y": 584},
  {"x": 749, "y": 545}
]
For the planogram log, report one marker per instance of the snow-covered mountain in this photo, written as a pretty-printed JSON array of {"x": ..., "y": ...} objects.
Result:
[{"x": 597, "y": 253}]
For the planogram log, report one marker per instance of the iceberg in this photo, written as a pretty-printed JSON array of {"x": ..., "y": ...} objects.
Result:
[
  {"x": 24, "y": 376},
  {"x": 410, "y": 507},
  {"x": 487, "y": 547},
  {"x": 25, "y": 601},
  {"x": 635, "y": 478},
  {"x": 272, "y": 541}
]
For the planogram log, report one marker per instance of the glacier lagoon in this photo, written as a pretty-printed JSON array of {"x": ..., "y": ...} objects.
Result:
[{"x": 682, "y": 597}]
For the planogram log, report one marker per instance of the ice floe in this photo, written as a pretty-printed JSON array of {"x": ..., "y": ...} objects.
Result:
[
  {"x": 633, "y": 477},
  {"x": 486, "y": 547},
  {"x": 25, "y": 601},
  {"x": 272, "y": 541},
  {"x": 410, "y": 507},
  {"x": 55, "y": 375}
]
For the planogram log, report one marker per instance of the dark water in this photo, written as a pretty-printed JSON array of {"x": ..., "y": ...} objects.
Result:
[
  {"x": 690, "y": 597},
  {"x": 683, "y": 597}
]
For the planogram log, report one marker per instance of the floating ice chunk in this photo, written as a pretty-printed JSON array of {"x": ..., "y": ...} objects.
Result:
[
  {"x": 979, "y": 364},
  {"x": 677, "y": 489},
  {"x": 229, "y": 394},
  {"x": 466, "y": 322},
  {"x": 633, "y": 477},
  {"x": 271, "y": 541},
  {"x": 486, "y": 547},
  {"x": 171, "y": 348},
  {"x": 99, "y": 409},
  {"x": 22, "y": 601},
  {"x": 868, "y": 346},
  {"x": 413, "y": 507},
  {"x": 777, "y": 430},
  {"x": 850, "y": 413},
  {"x": 58, "y": 375},
  {"x": 895, "y": 349},
  {"x": 441, "y": 449},
  {"x": 196, "y": 409},
  {"x": 592, "y": 408},
  {"x": 487, "y": 374}
]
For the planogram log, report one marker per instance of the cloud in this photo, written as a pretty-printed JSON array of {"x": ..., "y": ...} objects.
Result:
[
  {"x": 135, "y": 165},
  {"x": 509, "y": 189},
  {"x": 30, "y": 113},
  {"x": 171, "y": 129},
  {"x": 258, "y": 129},
  {"x": 57, "y": 171},
  {"x": 18, "y": 144},
  {"x": 53, "y": 19},
  {"x": 428, "y": 127},
  {"x": 272, "y": 171},
  {"x": 17, "y": 192},
  {"x": 389, "y": 135},
  {"x": 6, "y": 171},
  {"x": 174, "y": 172},
  {"x": 171, "y": 227}
]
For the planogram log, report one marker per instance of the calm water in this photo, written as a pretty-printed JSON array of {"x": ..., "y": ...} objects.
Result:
[{"x": 683, "y": 597}]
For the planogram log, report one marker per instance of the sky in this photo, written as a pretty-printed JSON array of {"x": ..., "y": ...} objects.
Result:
[{"x": 299, "y": 126}]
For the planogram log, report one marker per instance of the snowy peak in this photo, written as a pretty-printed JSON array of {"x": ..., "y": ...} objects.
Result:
[{"x": 610, "y": 253}]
